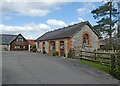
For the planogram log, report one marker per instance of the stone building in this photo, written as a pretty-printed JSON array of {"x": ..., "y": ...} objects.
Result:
[
  {"x": 13, "y": 42},
  {"x": 63, "y": 39}
]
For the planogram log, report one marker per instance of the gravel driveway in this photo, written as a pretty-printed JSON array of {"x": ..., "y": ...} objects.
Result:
[{"x": 36, "y": 68}]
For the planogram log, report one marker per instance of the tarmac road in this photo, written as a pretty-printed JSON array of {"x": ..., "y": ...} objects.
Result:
[{"x": 36, "y": 68}]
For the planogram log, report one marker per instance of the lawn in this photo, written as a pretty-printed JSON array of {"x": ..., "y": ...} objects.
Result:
[{"x": 97, "y": 66}]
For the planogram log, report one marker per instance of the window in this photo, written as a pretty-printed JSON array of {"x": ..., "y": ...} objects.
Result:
[
  {"x": 19, "y": 40},
  {"x": 17, "y": 47},
  {"x": 24, "y": 47},
  {"x": 85, "y": 39}
]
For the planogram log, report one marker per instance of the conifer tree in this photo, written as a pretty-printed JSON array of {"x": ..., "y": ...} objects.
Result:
[{"x": 106, "y": 16}]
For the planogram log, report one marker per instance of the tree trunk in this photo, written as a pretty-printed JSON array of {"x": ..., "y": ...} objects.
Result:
[
  {"x": 118, "y": 30},
  {"x": 110, "y": 33},
  {"x": 118, "y": 19}
]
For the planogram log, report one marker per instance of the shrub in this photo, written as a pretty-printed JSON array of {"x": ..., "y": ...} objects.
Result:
[
  {"x": 70, "y": 54},
  {"x": 55, "y": 53},
  {"x": 34, "y": 48},
  {"x": 44, "y": 52},
  {"x": 117, "y": 73},
  {"x": 64, "y": 55},
  {"x": 109, "y": 47}
]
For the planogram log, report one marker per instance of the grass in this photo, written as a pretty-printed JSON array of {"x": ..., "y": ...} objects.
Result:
[{"x": 97, "y": 66}]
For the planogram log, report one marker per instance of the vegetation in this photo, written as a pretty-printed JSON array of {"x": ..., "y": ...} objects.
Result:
[
  {"x": 70, "y": 54},
  {"x": 107, "y": 47},
  {"x": 107, "y": 17},
  {"x": 44, "y": 52},
  {"x": 55, "y": 53},
  {"x": 118, "y": 4},
  {"x": 117, "y": 70},
  {"x": 113, "y": 66},
  {"x": 97, "y": 66},
  {"x": 34, "y": 48}
]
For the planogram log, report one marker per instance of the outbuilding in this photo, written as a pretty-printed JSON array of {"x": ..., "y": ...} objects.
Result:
[{"x": 63, "y": 39}]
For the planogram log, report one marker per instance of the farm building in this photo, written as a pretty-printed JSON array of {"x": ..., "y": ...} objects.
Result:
[
  {"x": 31, "y": 44},
  {"x": 62, "y": 40},
  {"x": 13, "y": 42}
]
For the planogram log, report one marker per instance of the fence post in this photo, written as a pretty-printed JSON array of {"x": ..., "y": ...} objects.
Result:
[
  {"x": 113, "y": 64},
  {"x": 95, "y": 51}
]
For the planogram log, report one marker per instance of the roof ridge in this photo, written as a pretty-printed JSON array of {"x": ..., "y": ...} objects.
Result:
[
  {"x": 9, "y": 34},
  {"x": 68, "y": 26},
  {"x": 64, "y": 32}
]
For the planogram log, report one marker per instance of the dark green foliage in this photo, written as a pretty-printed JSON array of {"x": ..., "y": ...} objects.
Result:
[
  {"x": 106, "y": 18},
  {"x": 117, "y": 73},
  {"x": 118, "y": 4},
  {"x": 70, "y": 54},
  {"x": 44, "y": 52},
  {"x": 34, "y": 48},
  {"x": 55, "y": 53},
  {"x": 107, "y": 47}
]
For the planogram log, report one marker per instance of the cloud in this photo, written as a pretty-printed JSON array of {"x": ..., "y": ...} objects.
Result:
[
  {"x": 86, "y": 8},
  {"x": 57, "y": 23},
  {"x": 77, "y": 21},
  {"x": 30, "y": 31},
  {"x": 7, "y": 18},
  {"x": 26, "y": 28},
  {"x": 34, "y": 12},
  {"x": 81, "y": 19},
  {"x": 29, "y": 8}
]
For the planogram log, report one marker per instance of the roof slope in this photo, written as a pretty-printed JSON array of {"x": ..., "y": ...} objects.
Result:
[
  {"x": 65, "y": 32},
  {"x": 6, "y": 38}
]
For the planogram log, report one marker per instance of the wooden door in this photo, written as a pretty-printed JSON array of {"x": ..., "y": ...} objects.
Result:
[{"x": 61, "y": 48}]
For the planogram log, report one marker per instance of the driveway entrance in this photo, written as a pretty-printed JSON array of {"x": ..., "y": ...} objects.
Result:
[{"x": 36, "y": 68}]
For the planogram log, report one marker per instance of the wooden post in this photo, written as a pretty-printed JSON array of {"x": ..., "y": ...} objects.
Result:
[
  {"x": 95, "y": 55},
  {"x": 113, "y": 64}
]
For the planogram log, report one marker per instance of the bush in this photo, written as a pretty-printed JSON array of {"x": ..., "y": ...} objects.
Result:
[
  {"x": 109, "y": 47},
  {"x": 117, "y": 73},
  {"x": 55, "y": 53},
  {"x": 34, "y": 48},
  {"x": 70, "y": 54},
  {"x": 44, "y": 52}
]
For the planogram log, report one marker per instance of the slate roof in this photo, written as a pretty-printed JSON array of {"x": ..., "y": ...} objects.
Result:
[
  {"x": 7, "y": 39},
  {"x": 65, "y": 32}
]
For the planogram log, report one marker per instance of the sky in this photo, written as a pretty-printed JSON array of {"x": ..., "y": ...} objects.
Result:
[{"x": 32, "y": 19}]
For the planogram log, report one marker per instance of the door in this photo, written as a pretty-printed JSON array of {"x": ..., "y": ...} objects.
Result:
[{"x": 62, "y": 48}]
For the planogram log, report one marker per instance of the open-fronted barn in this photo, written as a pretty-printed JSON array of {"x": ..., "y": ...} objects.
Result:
[{"x": 62, "y": 40}]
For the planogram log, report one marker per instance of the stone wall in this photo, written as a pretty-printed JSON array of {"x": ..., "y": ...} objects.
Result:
[
  {"x": 4, "y": 47},
  {"x": 46, "y": 46},
  {"x": 57, "y": 43},
  {"x": 40, "y": 46},
  {"x": 77, "y": 39}
]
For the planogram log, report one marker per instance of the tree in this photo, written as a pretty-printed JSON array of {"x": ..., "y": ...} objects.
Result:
[
  {"x": 106, "y": 16},
  {"x": 118, "y": 19}
]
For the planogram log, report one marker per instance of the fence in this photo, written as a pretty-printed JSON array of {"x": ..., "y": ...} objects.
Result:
[
  {"x": 99, "y": 57},
  {"x": 109, "y": 58}
]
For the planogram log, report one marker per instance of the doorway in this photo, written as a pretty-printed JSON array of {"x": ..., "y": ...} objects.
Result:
[{"x": 62, "y": 48}]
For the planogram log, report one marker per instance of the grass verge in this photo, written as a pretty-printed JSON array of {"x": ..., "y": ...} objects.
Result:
[{"x": 97, "y": 66}]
